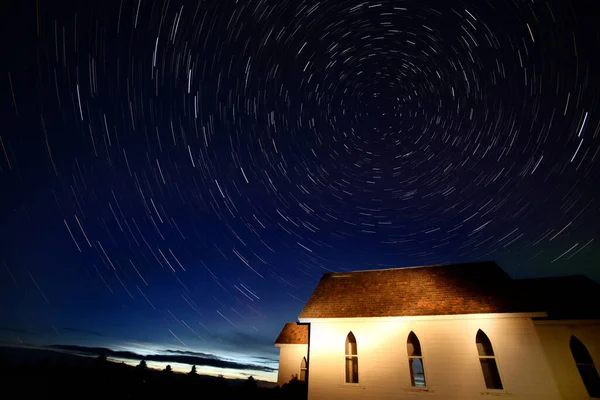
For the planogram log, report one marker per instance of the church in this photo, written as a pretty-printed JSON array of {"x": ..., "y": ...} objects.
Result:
[{"x": 456, "y": 331}]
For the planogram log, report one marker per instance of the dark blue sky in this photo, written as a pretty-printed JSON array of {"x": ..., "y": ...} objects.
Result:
[{"x": 178, "y": 175}]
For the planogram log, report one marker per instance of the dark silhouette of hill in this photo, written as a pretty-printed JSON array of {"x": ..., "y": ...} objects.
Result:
[{"x": 38, "y": 372}]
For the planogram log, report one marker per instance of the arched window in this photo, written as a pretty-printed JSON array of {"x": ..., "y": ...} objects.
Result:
[
  {"x": 586, "y": 367},
  {"x": 351, "y": 359},
  {"x": 487, "y": 359},
  {"x": 303, "y": 370},
  {"x": 415, "y": 361}
]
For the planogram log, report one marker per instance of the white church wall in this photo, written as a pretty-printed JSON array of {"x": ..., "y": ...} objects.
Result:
[
  {"x": 555, "y": 338},
  {"x": 290, "y": 358},
  {"x": 450, "y": 358}
]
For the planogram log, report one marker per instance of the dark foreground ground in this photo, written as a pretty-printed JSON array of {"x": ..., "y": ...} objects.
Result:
[{"x": 60, "y": 378}]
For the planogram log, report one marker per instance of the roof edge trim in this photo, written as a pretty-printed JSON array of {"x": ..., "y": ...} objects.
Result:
[{"x": 428, "y": 317}]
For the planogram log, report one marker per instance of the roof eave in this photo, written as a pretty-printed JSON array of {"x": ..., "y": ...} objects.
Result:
[
  {"x": 535, "y": 314},
  {"x": 290, "y": 344}
]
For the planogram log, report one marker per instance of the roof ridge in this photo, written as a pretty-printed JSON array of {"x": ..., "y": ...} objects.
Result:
[{"x": 409, "y": 267}]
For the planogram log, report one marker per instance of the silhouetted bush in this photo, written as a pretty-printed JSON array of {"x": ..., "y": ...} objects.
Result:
[{"x": 295, "y": 389}]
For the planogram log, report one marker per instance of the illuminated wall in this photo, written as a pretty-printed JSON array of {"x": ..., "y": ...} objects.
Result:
[
  {"x": 450, "y": 357},
  {"x": 290, "y": 358},
  {"x": 555, "y": 337}
]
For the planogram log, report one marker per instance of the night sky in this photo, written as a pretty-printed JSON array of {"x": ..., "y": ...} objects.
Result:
[{"x": 175, "y": 177}]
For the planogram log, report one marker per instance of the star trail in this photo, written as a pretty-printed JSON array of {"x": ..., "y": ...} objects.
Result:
[{"x": 178, "y": 175}]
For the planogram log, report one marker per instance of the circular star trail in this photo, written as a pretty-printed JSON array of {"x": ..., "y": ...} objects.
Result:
[{"x": 207, "y": 161}]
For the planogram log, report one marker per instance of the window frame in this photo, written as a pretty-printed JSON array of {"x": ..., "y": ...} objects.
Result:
[
  {"x": 303, "y": 368},
  {"x": 410, "y": 358},
  {"x": 349, "y": 379},
  {"x": 493, "y": 357}
]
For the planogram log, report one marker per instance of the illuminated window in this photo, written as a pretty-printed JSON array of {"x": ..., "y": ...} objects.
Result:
[
  {"x": 586, "y": 367},
  {"x": 415, "y": 361},
  {"x": 487, "y": 359},
  {"x": 303, "y": 370},
  {"x": 351, "y": 359}
]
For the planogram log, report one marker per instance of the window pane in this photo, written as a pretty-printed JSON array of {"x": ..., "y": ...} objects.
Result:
[
  {"x": 417, "y": 373},
  {"x": 302, "y": 375},
  {"x": 484, "y": 346},
  {"x": 590, "y": 378},
  {"x": 351, "y": 344},
  {"x": 351, "y": 370},
  {"x": 413, "y": 346},
  {"x": 351, "y": 348},
  {"x": 490, "y": 373},
  {"x": 348, "y": 370},
  {"x": 580, "y": 353}
]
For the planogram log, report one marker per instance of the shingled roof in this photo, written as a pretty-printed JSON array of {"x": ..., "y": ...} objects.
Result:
[
  {"x": 468, "y": 288},
  {"x": 293, "y": 333}
]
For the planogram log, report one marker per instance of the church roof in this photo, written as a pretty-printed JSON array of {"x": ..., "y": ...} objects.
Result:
[
  {"x": 468, "y": 288},
  {"x": 293, "y": 333},
  {"x": 563, "y": 297}
]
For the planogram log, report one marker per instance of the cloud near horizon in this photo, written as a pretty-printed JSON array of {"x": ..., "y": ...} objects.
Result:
[
  {"x": 192, "y": 353},
  {"x": 175, "y": 356},
  {"x": 84, "y": 331}
]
